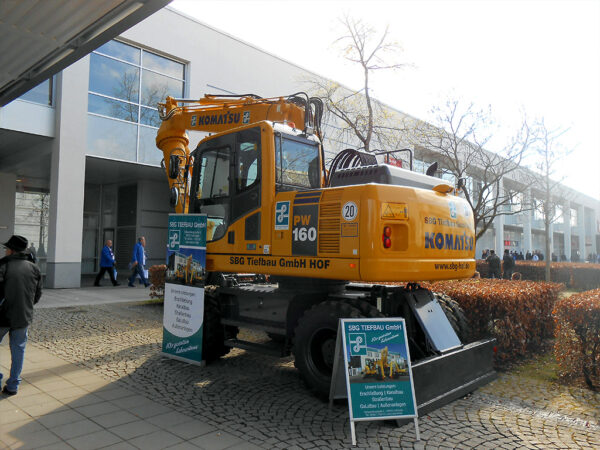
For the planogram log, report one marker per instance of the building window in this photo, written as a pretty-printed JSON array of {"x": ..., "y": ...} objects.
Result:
[
  {"x": 448, "y": 176},
  {"x": 42, "y": 93},
  {"x": 126, "y": 83},
  {"x": 538, "y": 209},
  {"x": 559, "y": 214},
  {"x": 419, "y": 165},
  {"x": 516, "y": 201},
  {"x": 31, "y": 220},
  {"x": 574, "y": 219}
]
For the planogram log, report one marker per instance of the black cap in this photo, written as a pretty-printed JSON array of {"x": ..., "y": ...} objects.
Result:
[{"x": 16, "y": 243}]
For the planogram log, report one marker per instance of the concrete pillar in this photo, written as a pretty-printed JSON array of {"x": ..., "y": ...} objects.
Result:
[
  {"x": 499, "y": 227},
  {"x": 527, "y": 219},
  {"x": 567, "y": 216},
  {"x": 551, "y": 237},
  {"x": 8, "y": 190},
  {"x": 593, "y": 231},
  {"x": 67, "y": 178},
  {"x": 581, "y": 232}
]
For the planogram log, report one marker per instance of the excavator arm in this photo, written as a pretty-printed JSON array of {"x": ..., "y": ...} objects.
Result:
[{"x": 219, "y": 114}]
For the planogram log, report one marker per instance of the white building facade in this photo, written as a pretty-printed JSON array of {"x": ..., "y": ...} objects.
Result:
[{"x": 79, "y": 165}]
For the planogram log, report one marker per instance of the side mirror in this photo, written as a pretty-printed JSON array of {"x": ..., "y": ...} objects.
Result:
[
  {"x": 173, "y": 166},
  {"x": 174, "y": 197}
]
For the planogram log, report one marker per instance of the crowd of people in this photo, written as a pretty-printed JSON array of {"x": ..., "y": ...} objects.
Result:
[
  {"x": 505, "y": 267},
  {"x": 536, "y": 255}
]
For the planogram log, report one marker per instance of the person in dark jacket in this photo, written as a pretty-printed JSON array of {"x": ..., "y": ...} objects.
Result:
[
  {"x": 107, "y": 264},
  {"x": 509, "y": 265},
  {"x": 494, "y": 264},
  {"x": 20, "y": 289},
  {"x": 138, "y": 262}
]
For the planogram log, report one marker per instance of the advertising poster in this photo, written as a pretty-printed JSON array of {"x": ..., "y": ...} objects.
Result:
[
  {"x": 377, "y": 370},
  {"x": 184, "y": 287}
]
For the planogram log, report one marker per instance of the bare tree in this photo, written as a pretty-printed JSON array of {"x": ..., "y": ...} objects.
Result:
[
  {"x": 458, "y": 140},
  {"x": 550, "y": 154},
  {"x": 359, "y": 115}
]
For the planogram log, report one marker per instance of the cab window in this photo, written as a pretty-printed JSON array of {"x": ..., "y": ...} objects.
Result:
[
  {"x": 296, "y": 163},
  {"x": 247, "y": 163},
  {"x": 212, "y": 190}
]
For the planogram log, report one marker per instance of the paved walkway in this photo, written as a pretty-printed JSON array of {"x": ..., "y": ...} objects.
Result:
[
  {"x": 94, "y": 378},
  {"x": 61, "y": 405},
  {"x": 56, "y": 298}
]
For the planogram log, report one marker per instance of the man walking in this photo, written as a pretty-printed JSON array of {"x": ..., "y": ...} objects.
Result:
[
  {"x": 509, "y": 265},
  {"x": 21, "y": 288},
  {"x": 138, "y": 262},
  {"x": 494, "y": 264},
  {"x": 107, "y": 264}
]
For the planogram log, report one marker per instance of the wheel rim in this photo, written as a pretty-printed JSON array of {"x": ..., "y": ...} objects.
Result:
[{"x": 322, "y": 351}]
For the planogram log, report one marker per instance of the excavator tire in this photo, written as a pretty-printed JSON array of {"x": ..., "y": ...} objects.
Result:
[
  {"x": 279, "y": 338},
  {"x": 214, "y": 334},
  {"x": 314, "y": 344},
  {"x": 365, "y": 308},
  {"x": 455, "y": 315}
]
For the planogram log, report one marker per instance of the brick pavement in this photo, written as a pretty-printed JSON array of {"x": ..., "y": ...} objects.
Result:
[{"x": 247, "y": 400}]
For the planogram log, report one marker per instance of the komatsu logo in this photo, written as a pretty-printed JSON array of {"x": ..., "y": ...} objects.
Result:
[
  {"x": 447, "y": 241},
  {"x": 216, "y": 119}
]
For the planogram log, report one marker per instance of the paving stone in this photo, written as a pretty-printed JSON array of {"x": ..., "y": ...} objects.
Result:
[
  {"x": 92, "y": 441},
  {"x": 97, "y": 409},
  {"x": 216, "y": 440},
  {"x": 114, "y": 418},
  {"x": 134, "y": 429},
  {"x": 190, "y": 430},
  {"x": 74, "y": 429},
  {"x": 60, "y": 418},
  {"x": 157, "y": 440},
  {"x": 35, "y": 440},
  {"x": 184, "y": 446},
  {"x": 40, "y": 409}
]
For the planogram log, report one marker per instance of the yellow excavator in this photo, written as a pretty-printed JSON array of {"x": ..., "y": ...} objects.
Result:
[
  {"x": 383, "y": 368},
  {"x": 325, "y": 238}
]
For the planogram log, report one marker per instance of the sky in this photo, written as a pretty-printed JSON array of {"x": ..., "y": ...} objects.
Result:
[{"x": 535, "y": 57}]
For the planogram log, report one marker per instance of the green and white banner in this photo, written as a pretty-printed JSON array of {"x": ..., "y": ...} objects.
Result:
[
  {"x": 379, "y": 378},
  {"x": 377, "y": 370},
  {"x": 184, "y": 288}
]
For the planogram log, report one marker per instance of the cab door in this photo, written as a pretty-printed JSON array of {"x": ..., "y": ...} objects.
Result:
[{"x": 227, "y": 186}]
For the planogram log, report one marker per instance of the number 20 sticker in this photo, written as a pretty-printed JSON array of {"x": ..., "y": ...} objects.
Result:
[{"x": 349, "y": 211}]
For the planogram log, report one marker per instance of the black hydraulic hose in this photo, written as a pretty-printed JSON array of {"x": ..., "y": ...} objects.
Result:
[{"x": 350, "y": 158}]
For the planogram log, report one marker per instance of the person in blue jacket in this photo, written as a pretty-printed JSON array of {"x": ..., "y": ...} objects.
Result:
[
  {"x": 138, "y": 262},
  {"x": 107, "y": 264}
]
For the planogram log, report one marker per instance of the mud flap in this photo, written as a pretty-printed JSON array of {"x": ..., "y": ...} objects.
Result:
[{"x": 464, "y": 370}]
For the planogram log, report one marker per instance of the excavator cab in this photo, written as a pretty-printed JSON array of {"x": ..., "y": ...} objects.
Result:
[{"x": 236, "y": 173}]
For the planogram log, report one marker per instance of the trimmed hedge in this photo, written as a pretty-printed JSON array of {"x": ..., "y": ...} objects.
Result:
[
  {"x": 517, "y": 313},
  {"x": 578, "y": 276},
  {"x": 156, "y": 275},
  {"x": 577, "y": 333}
]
